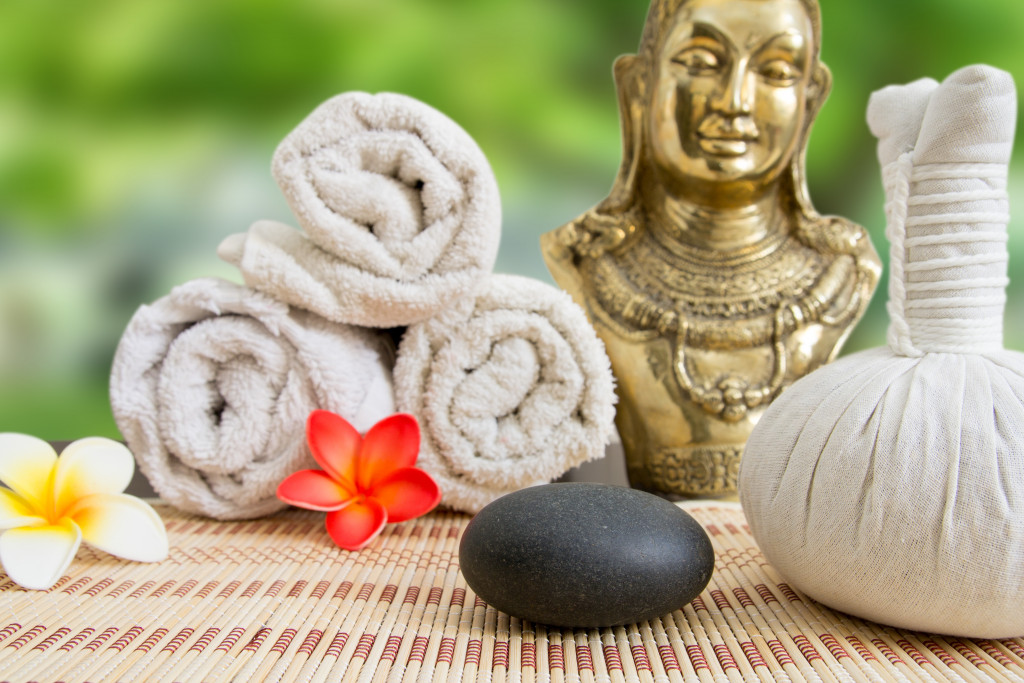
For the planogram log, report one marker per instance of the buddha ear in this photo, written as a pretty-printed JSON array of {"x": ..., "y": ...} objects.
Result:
[
  {"x": 817, "y": 91},
  {"x": 819, "y": 88},
  {"x": 629, "y": 82},
  {"x": 629, "y": 73}
]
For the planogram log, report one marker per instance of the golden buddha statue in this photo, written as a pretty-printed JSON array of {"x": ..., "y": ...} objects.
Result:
[{"x": 707, "y": 272}]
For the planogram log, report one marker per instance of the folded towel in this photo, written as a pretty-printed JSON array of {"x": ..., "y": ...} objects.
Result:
[
  {"x": 400, "y": 211},
  {"x": 211, "y": 387},
  {"x": 512, "y": 388}
]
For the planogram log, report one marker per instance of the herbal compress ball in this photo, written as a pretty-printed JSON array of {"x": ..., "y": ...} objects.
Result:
[{"x": 890, "y": 484}]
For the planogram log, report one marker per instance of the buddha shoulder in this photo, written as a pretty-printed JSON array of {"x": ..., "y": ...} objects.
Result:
[
  {"x": 584, "y": 238},
  {"x": 839, "y": 236}
]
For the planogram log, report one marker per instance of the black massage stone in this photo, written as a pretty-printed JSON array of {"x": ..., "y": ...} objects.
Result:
[{"x": 585, "y": 555}]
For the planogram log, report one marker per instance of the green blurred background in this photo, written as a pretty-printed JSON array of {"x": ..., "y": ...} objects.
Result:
[{"x": 135, "y": 135}]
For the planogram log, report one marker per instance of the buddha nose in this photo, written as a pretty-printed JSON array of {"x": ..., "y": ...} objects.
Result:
[{"x": 737, "y": 92}]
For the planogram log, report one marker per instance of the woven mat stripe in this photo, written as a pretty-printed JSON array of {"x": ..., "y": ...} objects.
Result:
[
  {"x": 292, "y": 572},
  {"x": 779, "y": 604},
  {"x": 370, "y": 585},
  {"x": 911, "y": 656},
  {"x": 784, "y": 630},
  {"x": 274, "y": 600},
  {"x": 765, "y": 596},
  {"x": 74, "y": 616},
  {"x": 281, "y": 623},
  {"x": 245, "y": 600},
  {"x": 127, "y": 636},
  {"x": 68, "y": 614},
  {"x": 406, "y": 559}
]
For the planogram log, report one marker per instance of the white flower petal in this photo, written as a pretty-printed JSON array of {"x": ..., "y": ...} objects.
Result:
[
  {"x": 92, "y": 465},
  {"x": 16, "y": 512},
  {"x": 36, "y": 557},
  {"x": 26, "y": 464},
  {"x": 121, "y": 525}
]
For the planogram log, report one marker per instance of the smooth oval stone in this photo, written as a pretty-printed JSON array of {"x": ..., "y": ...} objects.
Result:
[{"x": 585, "y": 555}]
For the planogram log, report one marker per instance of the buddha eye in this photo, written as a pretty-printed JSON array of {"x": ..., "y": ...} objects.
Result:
[
  {"x": 779, "y": 72},
  {"x": 698, "y": 61}
]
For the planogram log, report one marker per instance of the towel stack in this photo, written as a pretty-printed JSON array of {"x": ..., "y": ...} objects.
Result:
[{"x": 400, "y": 223}]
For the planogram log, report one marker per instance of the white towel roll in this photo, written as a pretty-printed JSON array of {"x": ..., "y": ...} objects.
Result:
[
  {"x": 400, "y": 211},
  {"x": 211, "y": 387},
  {"x": 512, "y": 388}
]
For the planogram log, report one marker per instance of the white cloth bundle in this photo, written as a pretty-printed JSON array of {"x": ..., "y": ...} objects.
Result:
[
  {"x": 890, "y": 484},
  {"x": 400, "y": 211},
  {"x": 211, "y": 387},
  {"x": 512, "y": 388}
]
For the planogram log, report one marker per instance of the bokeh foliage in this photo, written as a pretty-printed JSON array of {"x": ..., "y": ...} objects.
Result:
[{"x": 134, "y": 136}]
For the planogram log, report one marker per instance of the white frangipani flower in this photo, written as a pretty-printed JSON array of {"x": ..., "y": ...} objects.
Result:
[{"x": 52, "y": 503}]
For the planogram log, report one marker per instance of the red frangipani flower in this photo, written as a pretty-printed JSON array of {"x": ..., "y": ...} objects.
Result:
[{"x": 365, "y": 482}]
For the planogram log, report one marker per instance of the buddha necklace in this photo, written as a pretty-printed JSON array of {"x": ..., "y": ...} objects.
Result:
[{"x": 664, "y": 287}]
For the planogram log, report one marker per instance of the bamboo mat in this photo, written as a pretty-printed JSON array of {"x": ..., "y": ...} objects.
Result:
[{"x": 273, "y": 600}]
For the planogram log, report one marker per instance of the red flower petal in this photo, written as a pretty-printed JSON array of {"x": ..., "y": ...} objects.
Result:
[
  {"x": 313, "y": 490},
  {"x": 334, "y": 444},
  {"x": 407, "y": 493},
  {"x": 391, "y": 444},
  {"x": 355, "y": 526}
]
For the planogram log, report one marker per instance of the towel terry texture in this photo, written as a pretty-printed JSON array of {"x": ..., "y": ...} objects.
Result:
[
  {"x": 399, "y": 208},
  {"x": 512, "y": 388},
  {"x": 401, "y": 221},
  {"x": 211, "y": 387}
]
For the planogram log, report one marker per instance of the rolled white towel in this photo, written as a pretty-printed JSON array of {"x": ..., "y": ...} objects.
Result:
[
  {"x": 400, "y": 211},
  {"x": 512, "y": 388},
  {"x": 211, "y": 387}
]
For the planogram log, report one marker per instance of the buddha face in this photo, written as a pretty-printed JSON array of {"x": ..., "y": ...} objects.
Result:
[{"x": 728, "y": 101}]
